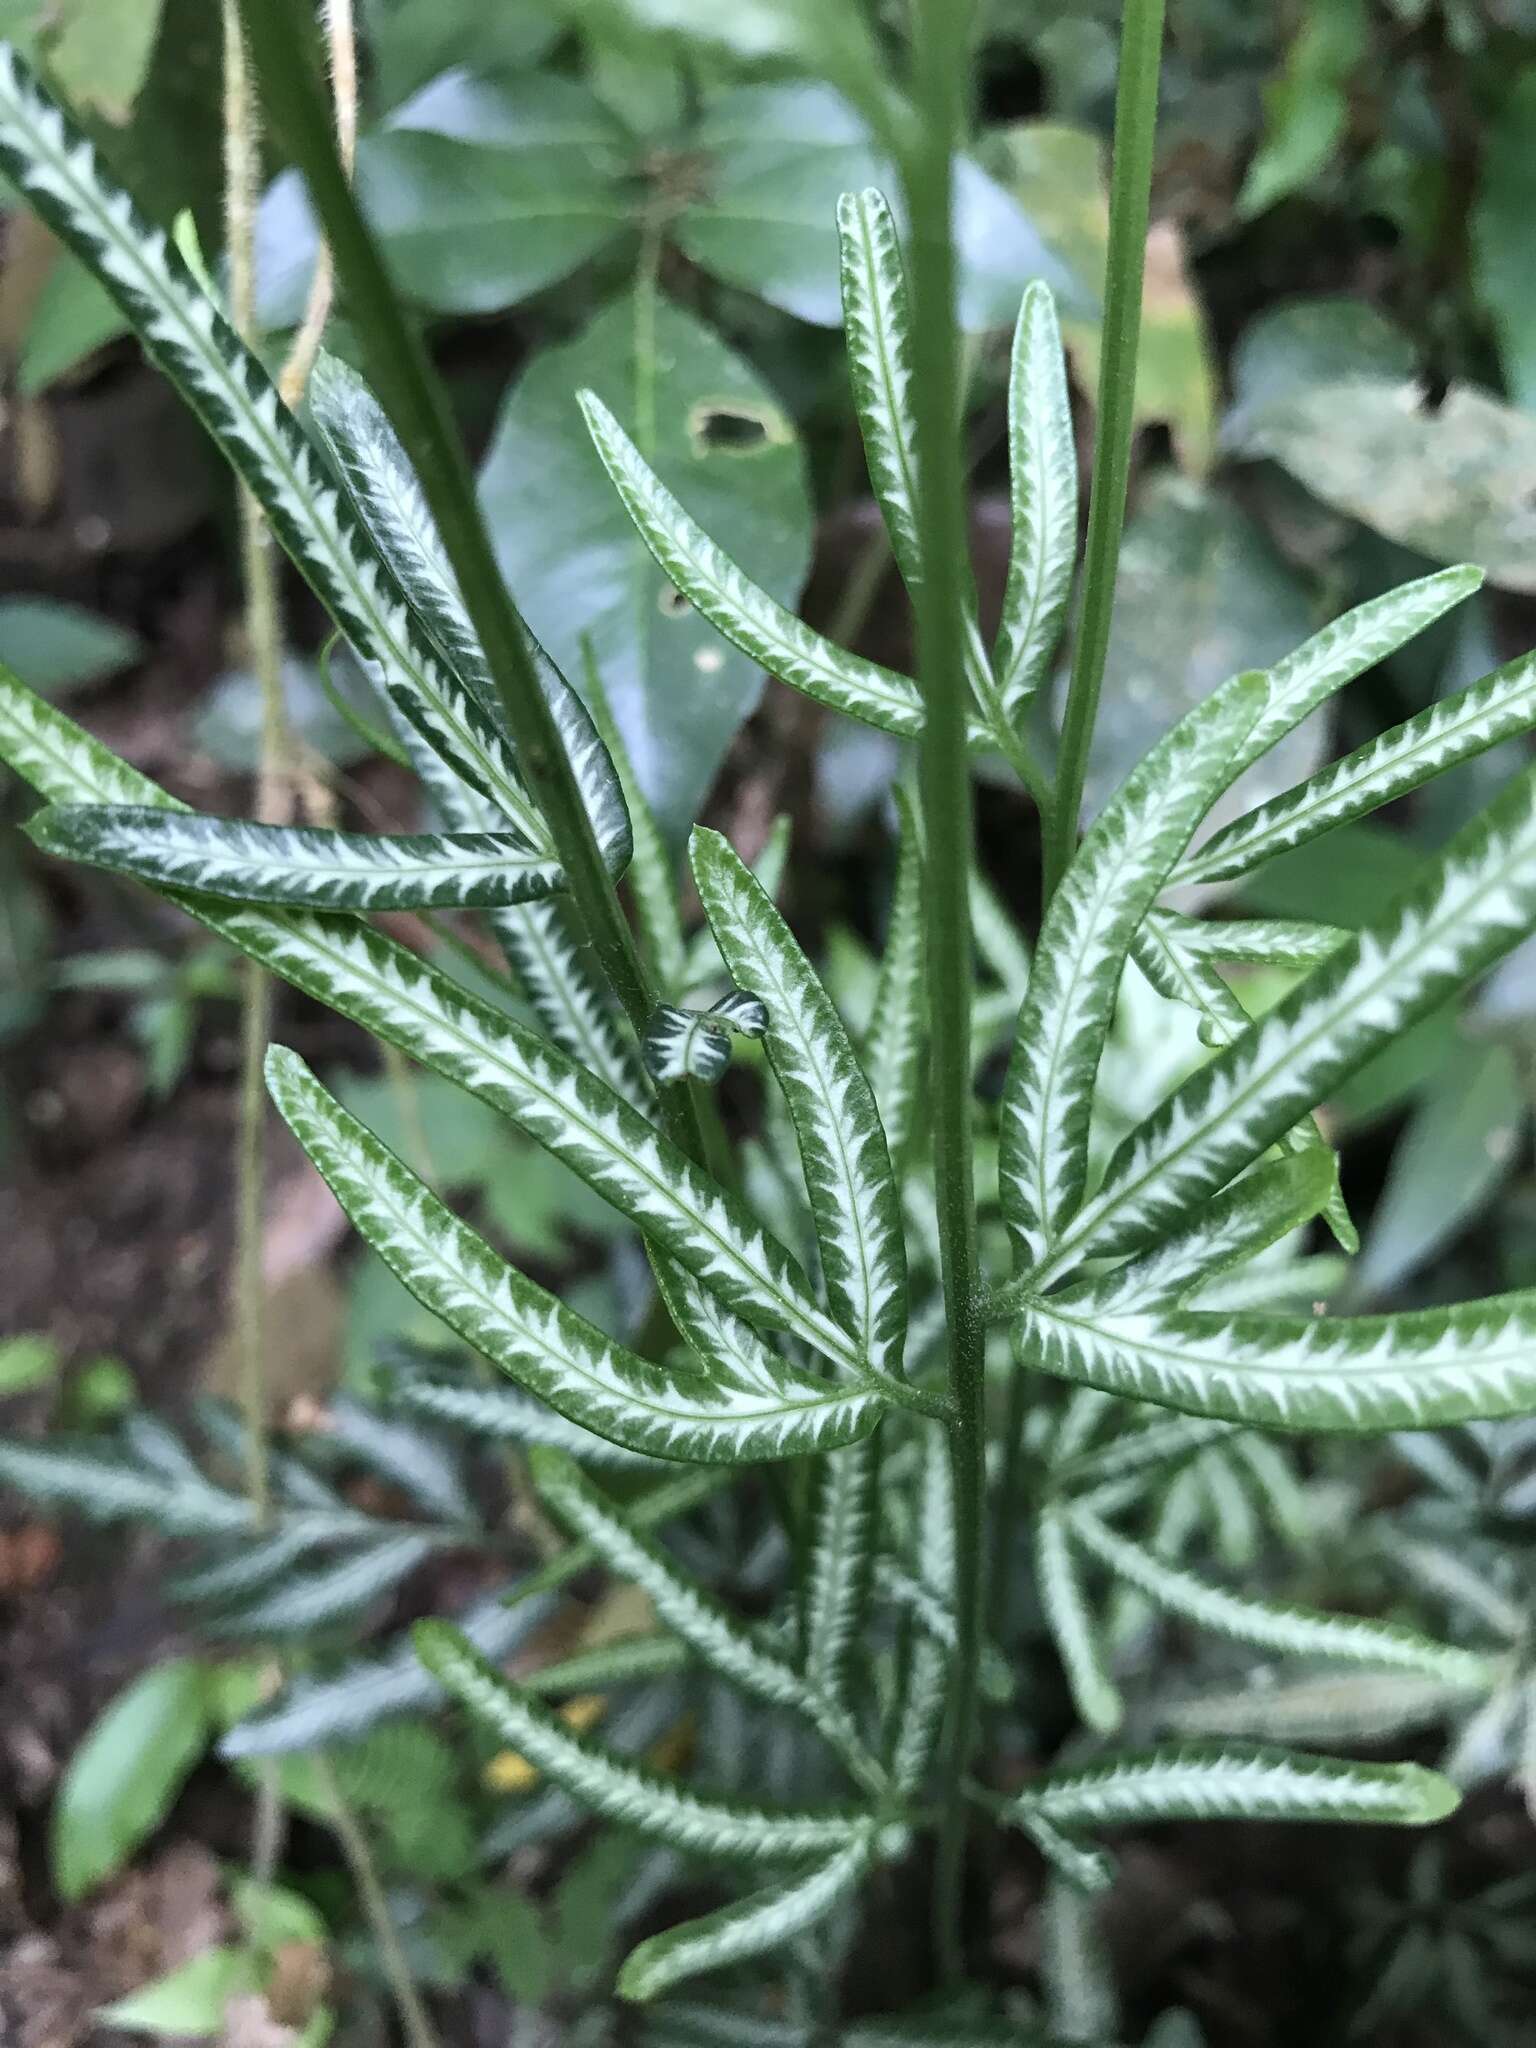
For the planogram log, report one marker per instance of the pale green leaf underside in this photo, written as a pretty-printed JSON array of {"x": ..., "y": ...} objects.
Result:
[
  {"x": 1292, "y": 1631},
  {"x": 290, "y": 864},
  {"x": 621, "y": 1792},
  {"x": 543, "y": 1345},
  {"x": 759, "y": 1924},
  {"x": 186, "y": 333},
  {"x": 1238, "y": 1781},
  {"x": 1111, "y": 885},
  {"x": 1349, "y": 1375},
  {"x": 1474, "y": 903},
  {"x": 853, "y": 1196},
  {"x": 1448, "y": 733},
  {"x": 898, "y": 1019}
]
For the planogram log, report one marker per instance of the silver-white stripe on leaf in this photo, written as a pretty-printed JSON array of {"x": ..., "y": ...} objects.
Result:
[
  {"x": 545, "y": 1346},
  {"x": 1112, "y": 883},
  {"x": 294, "y": 864},
  {"x": 854, "y": 1200},
  {"x": 1042, "y": 455}
]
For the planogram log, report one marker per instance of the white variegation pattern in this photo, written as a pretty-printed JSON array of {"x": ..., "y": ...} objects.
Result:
[
  {"x": 877, "y": 333},
  {"x": 1073, "y": 1630},
  {"x": 694, "y": 1615},
  {"x": 627, "y": 1794},
  {"x": 762, "y": 1922},
  {"x": 1133, "y": 1452},
  {"x": 389, "y": 500},
  {"x": 920, "y": 1717},
  {"x": 187, "y": 334},
  {"x": 1237, "y": 1781},
  {"x": 1271, "y": 1625},
  {"x": 1086, "y": 1870},
  {"x": 853, "y": 1195},
  {"x": 1109, "y": 888},
  {"x": 843, "y": 1526},
  {"x": 1345, "y": 649},
  {"x": 898, "y": 1018},
  {"x": 721, "y": 1341},
  {"x": 62, "y": 761},
  {"x": 1042, "y": 454},
  {"x": 1254, "y": 1212},
  {"x": 1474, "y": 904},
  {"x": 1348, "y": 1375},
  {"x": 558, "y": 978},
  {"x": 1258, "y": 941},
  {"x": 292, "y": 864},
  {"x": 681, "y": 1045},
  {"x": 735, "y": 606},
  {"x": 1448, "y": 733},
  {"x": 1193, "y": 978},
  {"x": 507, "y": 1415},
  {"x": 543, "y": 1345}
]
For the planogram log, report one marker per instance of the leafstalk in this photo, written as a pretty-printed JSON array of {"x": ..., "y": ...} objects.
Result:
[
  {"x": 940, "y": 69},
  {"x": 1141, "y": 42},
  {"x": 410, "y": 391}
]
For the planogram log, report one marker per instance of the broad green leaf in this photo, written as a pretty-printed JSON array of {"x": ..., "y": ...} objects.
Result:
[
  {"x": 1460, "y": 1145},
  {"x": 1114, "y": 880},
  {"x": 1042, "y": 457},
  {"x": 898, "y": 1041},
  {"x": 1260, "y": 941},
  {"x": 1292, "y": 1631},
  {"x": 760, "y": 1924},
  {"x": 1454, "y": 483},
  {"x": 188, "y": 336},
  {"x": 123, "y": 1779},
  {"x": 249, "y": 863},
  {"x": 844, "y": 1521},
  {"x": 389, "y": 501},
  {"x": 710, "y": 427},
  {"x": 481, "y": 191},
  {"x": 1454, "y": 730},
  {"x": 621, "y": 1792},
  {"x": 1073, "y": 1630},
  {"x": 1307, "y": 107},
  {"x": 99, "y": 54},
  {"x": 1302, "y": 342},
  {"x": 1470, "y": 907},
  {"x": 56, "y": 647},
  {"x": 1241, "y": 1221},
  {"x": 736, "y": 606},
  {"x": 1351, "y": 1375},
  {"x": 189, "y": 2003},
  {"x": 527, "y": 1333},
  {"x": 1238, "y": 1781},
  {"x": 1057, "y": 171},
  {"x": 853, "y": 1195},
  {"x": 1498, "y": 230}
]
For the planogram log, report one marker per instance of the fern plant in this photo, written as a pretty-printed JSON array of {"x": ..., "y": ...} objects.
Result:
[{"x": 822, "y": 1304}]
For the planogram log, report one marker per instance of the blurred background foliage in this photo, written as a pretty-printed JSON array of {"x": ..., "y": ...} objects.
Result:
[{"x": 1337, "y": 390}]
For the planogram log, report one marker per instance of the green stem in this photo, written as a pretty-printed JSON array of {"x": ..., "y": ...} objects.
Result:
[
  {"x": 1141, "y": 42},
  {"x": 411, "y": 393},
  {"x": 940, "y": 71},
  {"x": 415, "y": 2024}
]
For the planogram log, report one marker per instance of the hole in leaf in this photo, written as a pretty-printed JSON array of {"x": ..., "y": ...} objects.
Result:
[
  {"x": 725, "y": 427},
  {"x": 671, "y": 603}
]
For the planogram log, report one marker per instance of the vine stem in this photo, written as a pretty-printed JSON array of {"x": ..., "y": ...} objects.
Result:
[
  {"x": 1141, "y": 44},
  {"x": 419, "y": 2031},
  {"x": 940, "y": 66},
  {"x": 408, "y": 387}
]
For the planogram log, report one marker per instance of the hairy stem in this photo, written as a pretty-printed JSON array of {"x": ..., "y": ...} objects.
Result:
[
  {"x": 341, "y": 43},
  {"x": 940, "y": 30},
  {"x": 1141, "y": 42},
  {"x": 412, "y": 394}
]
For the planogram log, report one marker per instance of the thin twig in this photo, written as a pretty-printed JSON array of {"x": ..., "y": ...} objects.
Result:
[
  {"x": 341, "y": 42},
  {"x": 419, "y": 2031}
]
